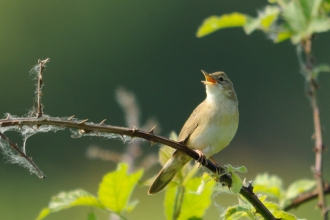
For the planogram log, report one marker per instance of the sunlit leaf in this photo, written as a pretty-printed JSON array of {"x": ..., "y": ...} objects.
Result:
[
  {"x": 251, "y": 25},
  {"x": 268, "y": 16},
  {"x": 318, "y": 25},
  {"x": 215, "y": 23},
  {"x": 65, "y": 200},
  {"x": 241, "y": 169},
  {"x": 282, "y": 36},
  {"x": 236, "y": 184},
  {"x": 193, "y": 204},
  {"x": 116, "y": 188},
  {"x": 91, "y": 216},
  {"x": 299, "y": 187},
  {"x": 269, "y": 185},
  {"x": 239, "y": 212},
  {"x": 277, "y": 211},
  {"x": 294, "y": 16}
]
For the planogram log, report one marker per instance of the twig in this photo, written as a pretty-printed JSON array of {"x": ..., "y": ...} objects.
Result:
[
  {"x": 307, "y": 46},
  {"x": 306, "y": 197},
  {"x": 246, "y": 192},
  {"x": 22, "y": 154},
  {"x": 41, "y": 68}
]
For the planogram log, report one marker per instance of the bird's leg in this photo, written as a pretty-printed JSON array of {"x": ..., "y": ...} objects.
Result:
[{"x": 201, "y": 159}]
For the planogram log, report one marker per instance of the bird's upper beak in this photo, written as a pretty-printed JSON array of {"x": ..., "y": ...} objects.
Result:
[{"x": 209, "y": 80}]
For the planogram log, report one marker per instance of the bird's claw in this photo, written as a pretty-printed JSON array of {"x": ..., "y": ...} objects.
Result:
[{"x": 201, "y": 159}]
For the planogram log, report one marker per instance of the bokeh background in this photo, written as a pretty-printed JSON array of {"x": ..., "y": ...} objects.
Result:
[{"x": 150, "y": 48}]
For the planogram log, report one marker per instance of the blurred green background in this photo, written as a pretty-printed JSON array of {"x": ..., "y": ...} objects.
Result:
[{"x": 150, "y": 48}]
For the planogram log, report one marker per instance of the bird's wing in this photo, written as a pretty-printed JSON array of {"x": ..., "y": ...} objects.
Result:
[{"x": 190, "y": 125}]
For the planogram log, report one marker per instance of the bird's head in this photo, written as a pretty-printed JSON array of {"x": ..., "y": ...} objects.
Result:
[{"x": 219, "y": 85}]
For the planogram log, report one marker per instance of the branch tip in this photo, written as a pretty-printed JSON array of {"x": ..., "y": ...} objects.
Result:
[
  {"x": 83, "y": 122},
  {"x": 152, "y": 130},
  {"x": 70, "y": 118},
  {"x": 102, "y": 122}
]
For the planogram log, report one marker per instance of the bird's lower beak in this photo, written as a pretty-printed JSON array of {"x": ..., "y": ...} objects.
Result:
[{"x": 209, "y": 80}]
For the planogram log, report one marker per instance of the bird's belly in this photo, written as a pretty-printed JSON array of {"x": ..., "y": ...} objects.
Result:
[{"x": 214, "y": 137}]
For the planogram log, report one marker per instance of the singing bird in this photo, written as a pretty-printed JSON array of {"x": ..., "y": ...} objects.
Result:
[{"x": 208, "y": 130}]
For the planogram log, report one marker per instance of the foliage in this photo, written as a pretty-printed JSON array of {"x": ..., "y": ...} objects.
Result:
[
  {"x": 280, "y": 20},
  {"x": 113, "y": 195}
]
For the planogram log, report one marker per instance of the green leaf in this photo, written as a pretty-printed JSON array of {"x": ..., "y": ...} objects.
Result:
[
  {"x": 319, "y": 69},
  {"x": 238, "y": 212},
  {"x": 282, "y": 36},
  {"x": 65, "y": 200},
  {"x": 269, "y": 16},
  {"x": 251, "y": 25},
  {"x": 318, "y": 25},
  {"x": 116, "y": 188},
  {"x": 237, "y": 183},
  {"x": 91, "y": 216},
  {"x": 269, "y": 185},
  {"x": 193, "y": 204},
  {"x": 231, "y": 169},
  {"x": 294, "y": 16},
  {"x": 299, "y": 187},
  {"x": 215, "y": 23},
  {"x": 276, "y": 210}
]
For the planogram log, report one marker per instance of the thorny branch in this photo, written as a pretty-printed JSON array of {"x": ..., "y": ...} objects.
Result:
[
  {"x": 99, "y": 129},
  {"x": 312, "y": 87},
  {"x": 306, "y": 197},
  {"x": 90, "y": 129},
  {"x": 22, "y": 154}
]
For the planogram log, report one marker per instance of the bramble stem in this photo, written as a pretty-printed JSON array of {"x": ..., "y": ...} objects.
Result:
[{"x": 307, "y": 46}]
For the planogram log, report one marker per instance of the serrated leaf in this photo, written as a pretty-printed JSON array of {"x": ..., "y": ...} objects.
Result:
[
  {"x": 318, "y": 25},
  {"x": 65, "y": 200},
  {"x": 241, "y": 169},
  {"x": 270, "y": 185},
  {"x": 193, "y": 204},
  {"x": 116, "y": 188},
  {"x": 269, "y": 15},
  {"x": 282, "y": 36},
  {"x": 236, "y": 184},
  {"x": 251, "y": 25},
  {"x": 294, "y": 16},
  {"x": 319, "y": 69},
  {"x": 299, "y": 187},
  {"x": 238, "y": 212},
  {"x": 277, "y": 211},
  {"x": 215, "y": 23}
]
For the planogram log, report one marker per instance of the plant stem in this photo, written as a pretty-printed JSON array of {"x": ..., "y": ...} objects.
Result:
[{"x": 307, "y": 46}]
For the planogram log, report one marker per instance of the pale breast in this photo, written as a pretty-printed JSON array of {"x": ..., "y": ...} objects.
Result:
[{"x": 215, "y": 129}]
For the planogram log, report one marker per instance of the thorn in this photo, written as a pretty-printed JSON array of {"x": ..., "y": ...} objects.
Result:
[
  {"x": 83, "y": 122},
  {"x": 135, "y": 129},
  {"x": 8, "y": 116},
  {"x": 152, "y": 130},
  {"x": 102, "y": 122},
  {"x": 70, "y": 118}
]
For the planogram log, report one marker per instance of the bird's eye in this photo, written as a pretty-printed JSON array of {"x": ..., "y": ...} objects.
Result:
[{"x": 221, "y": 79}]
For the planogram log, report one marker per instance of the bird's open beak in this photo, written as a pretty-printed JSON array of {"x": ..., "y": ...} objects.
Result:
[{"x": 209, "y": 80}]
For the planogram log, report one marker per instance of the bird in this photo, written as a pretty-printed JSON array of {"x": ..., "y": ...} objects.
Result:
[{"x": 208, "y": 130}]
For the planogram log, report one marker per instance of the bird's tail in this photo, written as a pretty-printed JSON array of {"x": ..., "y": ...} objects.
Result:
[{"x": 165, "y": 175}]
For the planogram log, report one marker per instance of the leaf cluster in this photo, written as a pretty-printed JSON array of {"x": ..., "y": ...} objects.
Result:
[{"x": 297, "y": 20}]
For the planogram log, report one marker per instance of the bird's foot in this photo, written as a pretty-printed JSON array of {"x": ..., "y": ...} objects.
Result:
[{"x": 201, "y": 159}]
